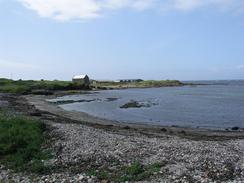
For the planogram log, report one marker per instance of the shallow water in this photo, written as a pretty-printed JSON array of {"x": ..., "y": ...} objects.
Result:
[{"x": 205, "y": 106}]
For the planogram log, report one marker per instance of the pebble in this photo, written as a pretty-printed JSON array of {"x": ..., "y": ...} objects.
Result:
[{"x": 185, "y": 160}]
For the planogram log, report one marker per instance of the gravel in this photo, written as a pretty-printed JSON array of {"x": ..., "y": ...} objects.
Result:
[
  {"x": 185, "y": 160},
  {"x": 78, "y": 148}
]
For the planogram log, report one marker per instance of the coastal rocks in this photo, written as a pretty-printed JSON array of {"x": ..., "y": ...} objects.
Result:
[
  {"x": 53, "y": 178},
  {"x": 235, "y": 128},
  {"x": 35, "y": 113},
  {"x": 62, "y": 102},
  {"x": 66, "y": 178},
  {"x": 163, "y": 130},
  {"x": 132, "y": 104},
  {"x": 186, "y": 160},
  {"x": 136, "y": 104},
  {"x": 83, "y": 153},
  {"x": 177, "y": 170},
  {"x": 3, "y": 102},
  {"x": 84, "y": 148},
  {"x": 42, "y": 92},
  {"x": 7, "y": 176},
  {"x": 111, "y": 99}
]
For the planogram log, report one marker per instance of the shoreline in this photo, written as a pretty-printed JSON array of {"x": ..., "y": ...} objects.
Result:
[
  {"x": 148, "y": 124},
  {"x": 40, "y": 103},
  {"x": 80, "y": 147}
]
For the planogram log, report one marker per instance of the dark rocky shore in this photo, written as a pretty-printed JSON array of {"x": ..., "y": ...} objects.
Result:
[{"x": 82, "y": 144}]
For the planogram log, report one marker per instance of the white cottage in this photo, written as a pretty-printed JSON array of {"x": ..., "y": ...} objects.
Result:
[{"x": 81, "y": 79}]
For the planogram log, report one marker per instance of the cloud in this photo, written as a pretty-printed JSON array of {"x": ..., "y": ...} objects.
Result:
[
  {"x": 64, "y": 10},
  {"x": 191, "y": 5},
  {"x": 187, "y": 4}
]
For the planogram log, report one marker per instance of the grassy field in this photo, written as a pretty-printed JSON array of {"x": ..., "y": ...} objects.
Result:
[
  {"x": 28, "y": 86},
  {"x": 141, "y": 84},
  {"x": 21, "y": 142},
  {"x": 31, "y": 86}
]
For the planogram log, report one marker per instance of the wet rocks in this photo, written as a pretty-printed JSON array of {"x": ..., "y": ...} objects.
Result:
[
  {"x": 235, "y": 128},
  {"x": 62, "y": 102},
  {"x": 111, "y": 99},
  {"x": 134, "y": 104},
  {"x": 35, "y": 113},
  {"x": 163, "y": 130},
  {"x": 126, "y": 127},
  {"x": 137, "y": 104},
  {"x": 183, "y": 132},
  {"x": 42, "y": 92}
]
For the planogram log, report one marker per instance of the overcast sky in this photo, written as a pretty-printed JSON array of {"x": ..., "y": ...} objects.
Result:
[{"x": 112, "y": 39}]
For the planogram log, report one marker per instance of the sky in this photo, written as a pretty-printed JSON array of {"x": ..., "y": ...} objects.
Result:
[{"x": 119, "y": 39}]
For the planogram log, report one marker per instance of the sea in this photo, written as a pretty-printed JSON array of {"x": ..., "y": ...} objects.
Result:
[{"x": 206, "y": 104}]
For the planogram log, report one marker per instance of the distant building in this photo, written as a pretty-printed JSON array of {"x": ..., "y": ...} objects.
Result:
[{"x": 81, "y": 79}]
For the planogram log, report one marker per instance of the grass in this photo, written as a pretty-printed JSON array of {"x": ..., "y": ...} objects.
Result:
[
  {"x": 31, "y": 86},
  {"x": 28, "y": 86},
  {"x": 160, "y": 83},
  {"x": 138, "y": 172},
  {"x": 102, "y": 175},
  {"x": 134, "y": 172},
  {"x": 140, "y": 84},
  {"x": 21, "y": 142}
]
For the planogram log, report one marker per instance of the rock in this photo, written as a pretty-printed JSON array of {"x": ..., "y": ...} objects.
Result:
[
  {"x": 89, "y": 181},
  {"x": 42, "y": 92},
  {"x": 183, "y": 132},
  {"x": 126, "y": 127},
  {"x": 177, "y": 170},
  {"x": 90, "y": 148},
  {"x": 111, "y": 99},
  {"x": 35, "y": 113},
  {"x": 134, "y": 104},
  {"x": 235, "y": 128},
  {"x": 81, "y": 177},
  {"x": 163, "y": 129}
]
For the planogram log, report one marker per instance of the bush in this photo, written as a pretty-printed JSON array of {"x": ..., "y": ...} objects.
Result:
[
  {"x": 20, "y": 142},
  {"x": 27, "y": 86}
]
